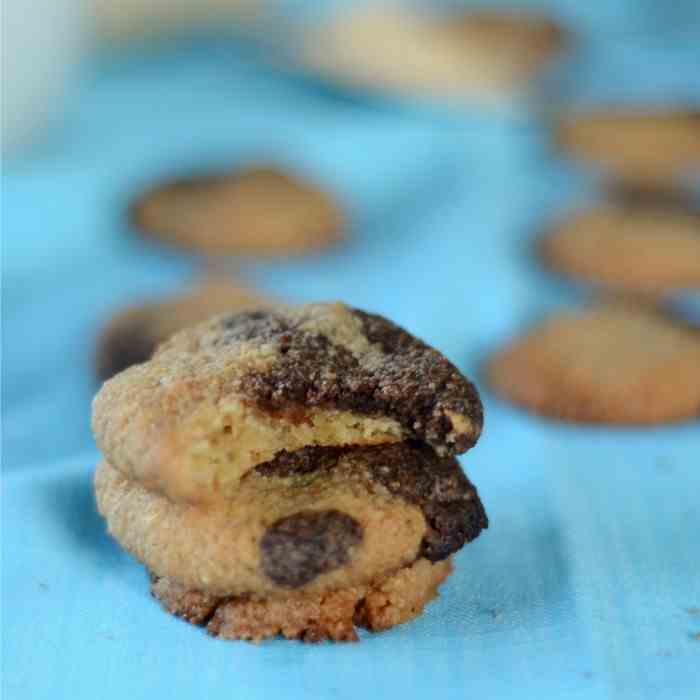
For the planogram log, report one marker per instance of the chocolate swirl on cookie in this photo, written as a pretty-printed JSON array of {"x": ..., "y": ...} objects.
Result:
[
  {"x": 389, "y": 372},
  {"x": 453, "y": 512}
]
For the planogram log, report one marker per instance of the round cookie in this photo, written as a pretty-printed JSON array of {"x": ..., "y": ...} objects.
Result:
[
  {"x": 318, "y": 520},
  {"x": 131, "y": 336},
  {"x": 609, "y": 364},
  {"x": 257, "y": 211},
  {"x": 225, "y": 396},
  {"x": 655, "y": 148},
  {"x": 643, "y": 247},
  {"x": 478, "y": 55},
  {"x": 379, "y": 605}
]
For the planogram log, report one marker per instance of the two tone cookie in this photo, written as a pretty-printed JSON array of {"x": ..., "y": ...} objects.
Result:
[
  {"x": 133, "y": 333},
  {"x": 617, "y": 363},
  {"x": 641, "y": 245},
  {"x": 655, "y": 148},
  {"x": 258, "y": 211},
  {"x": 290, "y": 471}
]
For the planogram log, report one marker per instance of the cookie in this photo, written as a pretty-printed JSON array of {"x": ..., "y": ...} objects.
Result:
[
  {"x": 136, "y": 20},
  {"x": 219, "y": 399},
  {"x": 379, "y": 605},
  {"x": 481, "y": 55},
  {"x": 324, "y": 519},
  {"x": 290, "y": 471},
  {"x": 258, "y": 211},
  {"x": 654, "y": 148},
  {"x": 637, "y": 246},
  {"x": 608, "y": 364},
  {"x": 131, "y": 336}
]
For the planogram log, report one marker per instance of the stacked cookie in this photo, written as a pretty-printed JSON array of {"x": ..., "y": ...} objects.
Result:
[{"x": 290, "y": 471}]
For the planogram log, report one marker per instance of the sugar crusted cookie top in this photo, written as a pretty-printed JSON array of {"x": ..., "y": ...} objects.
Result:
[
  {"x": 330, "y": 355},
  {"x": 228, "y": 394}
]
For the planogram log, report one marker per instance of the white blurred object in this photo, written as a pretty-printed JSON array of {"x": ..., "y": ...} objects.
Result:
[{"x": 42, "y": 42}]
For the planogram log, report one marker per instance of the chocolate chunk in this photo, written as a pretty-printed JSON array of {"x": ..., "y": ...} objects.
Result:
[
  {"x": 123, "y": 346},
  {"x": 410, "y": 381},
  {"x": 438, "y": 486},
  {"x": 298, "y": 548}
]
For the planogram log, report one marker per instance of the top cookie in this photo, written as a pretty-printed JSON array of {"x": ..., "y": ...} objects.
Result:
[
  {"x": 258, "y": 211},
  {"x": 649, "y": 149},
  {"x": 220, "y": 398}
]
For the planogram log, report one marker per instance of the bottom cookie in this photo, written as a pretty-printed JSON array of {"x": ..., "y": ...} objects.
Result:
[{"x": 330, "y": 615}]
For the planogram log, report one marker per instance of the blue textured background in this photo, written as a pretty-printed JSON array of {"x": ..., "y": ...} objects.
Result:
[{"x": 586, "y": 585}]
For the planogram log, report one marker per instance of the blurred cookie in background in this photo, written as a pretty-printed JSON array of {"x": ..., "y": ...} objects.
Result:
[
  {"x": 617, "y": 363},
  {"x": 471, "y": 56},
  {"x": 652, "y": 148},
  {"x": 256, "y": 211},
  {"x": 132, "y": 334},
  {"x": 139, "y": 19},
  {"x": 632, "y": 244}
]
